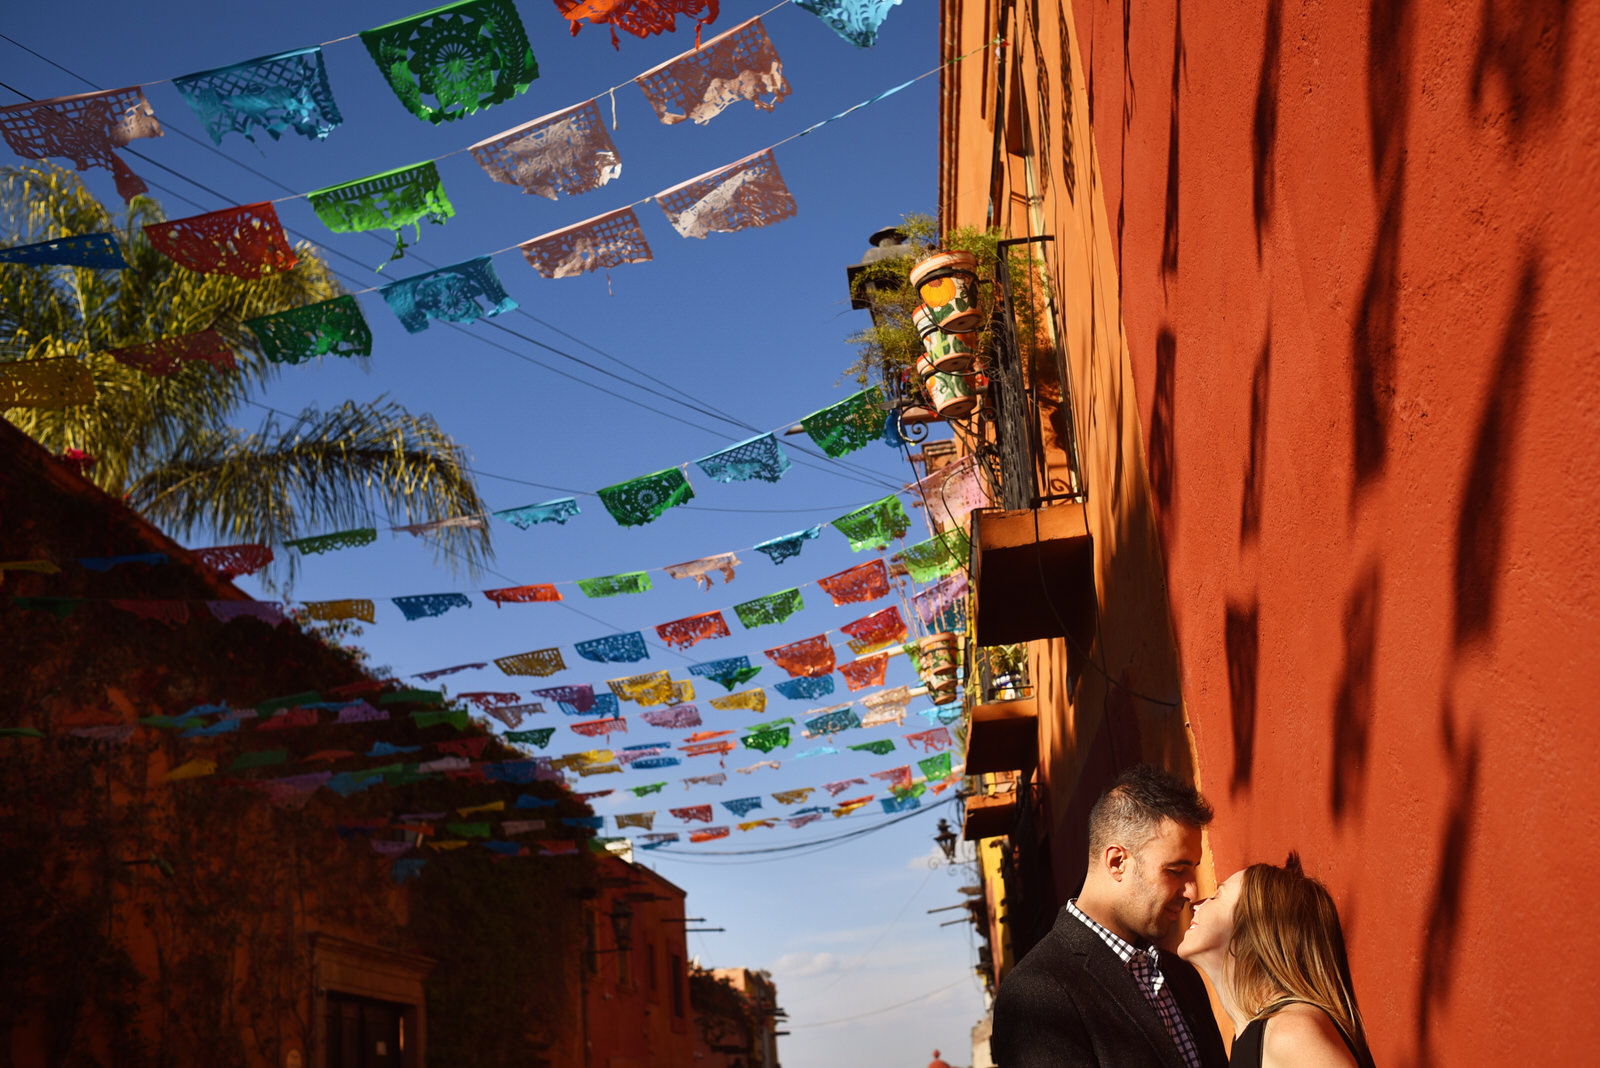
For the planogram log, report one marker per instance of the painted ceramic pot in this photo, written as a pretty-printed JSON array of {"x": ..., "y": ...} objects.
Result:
[
  {"x": 937, "y": 656},
  {"x": 952, "y": 395},
  {"x": 951, "y": 353},
  {"x": 948, "y": 285}
]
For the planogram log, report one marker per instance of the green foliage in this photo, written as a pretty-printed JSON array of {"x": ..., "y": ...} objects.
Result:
[{"x": 166, "y": 443}]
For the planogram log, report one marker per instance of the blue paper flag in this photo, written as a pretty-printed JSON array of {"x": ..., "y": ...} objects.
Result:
[
  {"x": 742, "y": 806},
  {"x": 758, "y": 457},
  {"x": 596, "y": 822},
  {"x": 833, "y": 722},
  {"x": 85, "y": 250},
  {"x": 406, "y": 868},
  {"x": 805, "y": 688},
  {"x": 857, "y": 21},
  {"x": 423, "y": 605},
  {"x": 460, "y": 293},
  {"x": 529, "y": 801},
  {"x": 604, "y": 705},
  {"x": 556, "y": 511},
  {"x": 380, "y": 749},
  {"x": 780, "y": 549},
  {"x": 900, "y": 804},
  {"x": 656, "y": 762},
  {"x": 287, "y": 91},
  {"x": 821, "y": 750},
  {"x": 626, "y": 648}
]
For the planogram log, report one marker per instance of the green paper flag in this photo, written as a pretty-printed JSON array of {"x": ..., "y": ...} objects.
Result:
[
  {"x": 60, "y": 607},
  {"x": 773, "y": 608},
  {"x": 334, "y": 327},
  {"x": 538, "y": 738},
  {"x": 344, "y": 539},
  {"x": 874, "y": 526},
  {"x": 653, "y": 788},
  {"x": 468, "y": 830},
  {"x": 935, "y": 767},
  {"x": 876, "y": 748},
  {"x": 768, "y": 740},
  {"x": 407, "y": 774},
  {"x": 465, "y": 56},
  {"x": 847, "y": 426},
  {"x": 392, "y": 200},
  {"x": 641, "y": 500},
  {"x": 611, "y": 585},
  {"x": 937, "y": 557},
  {"x": 21, "y": 732},
  {"x": 264, "y": 758},
  {"x": 458, "y": 720}
]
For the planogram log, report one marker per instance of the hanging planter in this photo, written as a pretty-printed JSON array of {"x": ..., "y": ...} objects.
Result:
[
  {"x": 953, "y": 395},
  {"x": 937, "y": 657},
  {"x": 947, "y": 282},
  {"x": 948, "y": 352},
  {"x": 943, "y": 691}
]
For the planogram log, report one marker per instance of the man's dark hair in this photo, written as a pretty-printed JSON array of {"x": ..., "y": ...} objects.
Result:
[{"x": 1132, "y": 808}]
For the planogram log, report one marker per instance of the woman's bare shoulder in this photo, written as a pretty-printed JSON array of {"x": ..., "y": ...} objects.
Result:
[{"x": 1303, "y": 1036}]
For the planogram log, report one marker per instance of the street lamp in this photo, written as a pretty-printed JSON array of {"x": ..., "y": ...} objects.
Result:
[{"x": 946, "y": 838}]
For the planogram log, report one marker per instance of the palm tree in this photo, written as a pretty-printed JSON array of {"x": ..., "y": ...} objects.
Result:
[{"x": 165, "y": 444}]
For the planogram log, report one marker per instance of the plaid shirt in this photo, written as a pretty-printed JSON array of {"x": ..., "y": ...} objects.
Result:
[{"x": 1144, "y": 964}]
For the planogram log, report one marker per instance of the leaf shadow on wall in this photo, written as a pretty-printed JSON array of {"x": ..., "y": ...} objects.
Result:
[
  {"x": 1355, "y": 701},
  {"x": 1242, "y": 638}
]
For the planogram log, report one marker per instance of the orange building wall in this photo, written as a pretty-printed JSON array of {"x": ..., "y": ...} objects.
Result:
[{"x": 1334, "y": 285}]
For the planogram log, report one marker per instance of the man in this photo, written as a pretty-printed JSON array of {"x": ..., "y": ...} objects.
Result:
[{"x": 1096, "y": 990}]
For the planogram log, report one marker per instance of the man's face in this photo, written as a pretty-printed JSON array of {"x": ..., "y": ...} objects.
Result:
[{"x": 1160, "y": 882}]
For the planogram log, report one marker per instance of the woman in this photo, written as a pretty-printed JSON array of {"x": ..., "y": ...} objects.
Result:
[{"x": 1269, "y": 940}]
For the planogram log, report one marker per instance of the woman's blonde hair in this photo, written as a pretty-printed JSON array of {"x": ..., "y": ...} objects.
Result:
[{"x": 1287, "y": 945}]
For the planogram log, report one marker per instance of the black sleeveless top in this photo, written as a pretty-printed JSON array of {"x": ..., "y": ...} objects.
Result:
[{"x": 1249, "y": 1046}]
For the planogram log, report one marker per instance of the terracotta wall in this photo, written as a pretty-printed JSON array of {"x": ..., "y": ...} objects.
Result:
[{"x": 1332, "y": 301}]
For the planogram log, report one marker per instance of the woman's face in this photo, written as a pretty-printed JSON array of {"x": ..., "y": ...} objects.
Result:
[{"x": 1212, "y": 926}]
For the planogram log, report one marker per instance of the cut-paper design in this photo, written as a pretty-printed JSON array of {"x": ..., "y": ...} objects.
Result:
[
  {"x": 896, "y": 698},
  {"x": 849, "y": 425},
  {"x": 423, "y": 605},
  {"x": 435, "y": 526},
  {"x": 709, "y": 834},
  {"x": 613, "y": 585},
  {"x": 523, "y": 594},
  {"x": 60, "y": 382},
  {"x": 807, "y": 657},
  {"x": 857, "y": 21},
  {"x": 682, "y": 633},
  {"x": 868, "y": 671},
  {"x": 447, "y": 63},
  {"x": 649, "y": 688},
  {"x": 171, "y": 613},
  {"x": 651, "y": 788},
  {"x": 702, "y": 569},
  {"x": 877, "y": 747},
  {"x": 717, "y": 779},
  {"x": 641, "y": 500},
  {"x": 751, "y": 825},
  {"x": 794, "y": 797},
  {"x": 99, "y": 251},
  {"x": 246, "y": 242},
  {"x": 638, "y": 17},
  {"x": 83, "y": 128},
  {"x": 897, "y": 778},
  {"x": 750, "y": 700},
  {"x": 836, "y": 788},
  {"x": 460, "y": 293},
  {"x": 709, "y": 749},
  {"x": 932, "y": 740},
  {"x": 693, "y": 813},
  {"x": 729, "y": 671},
  {"x": 595, "y": 727},
  {"x": 832, "y": 723},
  {"x": 936, "y": 767},
  {"x": 741, "y": 196},
  {"x": 332, "y": 327},
  {"x": 900, "y": 804},
  {"x": 951, "y": 493},
  {"x": 166, "y": 355},
  {"x": 797, "y": 822},
  {"x": 821, "y": 750},
  {"x": 758, "y": 457},
  {"x": 877, "y": 631},
  {"x": 361, "y": 712},
  {"x": 392, "y": 200},
  {"x": 805, "y": 688},
  {"x": 568, "y": 152},
  {"x": 538, "y": 737},
  {"x": 556, "y": 511},
  {"x": 939, "y": 598},
  {"x": 857, "y": 585},
  {"x": 656, "y": 841},
  {"x": 510, "y": 828},
  {"x": 680, "y": 716},
  {"x": 228, "y": 611},
  {"x": 636, "y": 819},
  {"x": 874, "y": 526},
  {"x": 624, "y": 648},
  {"x": 344, "y": 539},
  {"x": 740, "y": 64},
  {"x": 287, "y": 91},
  {"x": 596, "y": 244},
  {"x": 941, "y": 554},
  {"x": 766, "y": 741},
  {"x": 349, "y": 608},
  {"x": 742, "y": 806},
  {"x": 511, "y": 715},
  {"x": 658, "y": 762},
  {"x": 773, "y": 608},
  {"x": 194, "y": 769},
  {"x": 781, "y": 548},
  {"x": 604, "y": 704},
  {"x": 580, "y": 697},
  {"x": 538, "y": 662}
]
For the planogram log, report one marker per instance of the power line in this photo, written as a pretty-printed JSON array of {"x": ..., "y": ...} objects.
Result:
[{"x": 884, "y": 1009}]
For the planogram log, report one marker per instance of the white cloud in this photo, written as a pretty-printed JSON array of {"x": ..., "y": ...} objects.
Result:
[{"x": 803, "y": 965}]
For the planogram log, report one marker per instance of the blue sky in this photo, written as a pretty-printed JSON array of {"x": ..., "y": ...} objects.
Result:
[{"x": 752, "y": 325}]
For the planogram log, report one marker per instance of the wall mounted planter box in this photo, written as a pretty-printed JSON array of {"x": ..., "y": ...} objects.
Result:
[
  {"x": 1032, "y": 575},
  {"x": 1003, "y": 736}
]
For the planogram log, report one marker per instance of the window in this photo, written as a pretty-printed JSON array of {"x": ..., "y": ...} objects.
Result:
[
  {"x": 678, "y": 981},
  {"x": 364, "y": 1032},
  {"x": 651, "y": 982}
]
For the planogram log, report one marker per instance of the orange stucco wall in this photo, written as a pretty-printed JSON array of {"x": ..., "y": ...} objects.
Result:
[{"x": 1345, "y": 256}]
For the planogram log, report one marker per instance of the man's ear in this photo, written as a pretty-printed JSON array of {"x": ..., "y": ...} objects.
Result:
[{"x": 1118, "y": 861}]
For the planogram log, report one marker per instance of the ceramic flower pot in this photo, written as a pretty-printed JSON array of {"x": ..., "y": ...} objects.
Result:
[
  {"x": 952, "y": 395},
  {"x": 947, "y": 282},
  {"x": 937, "y": 658}
]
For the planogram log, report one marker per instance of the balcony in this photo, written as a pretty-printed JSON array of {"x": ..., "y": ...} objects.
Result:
[
  {"x": 1032, "y": 575},
  {"x": 1003, "y": 737}
]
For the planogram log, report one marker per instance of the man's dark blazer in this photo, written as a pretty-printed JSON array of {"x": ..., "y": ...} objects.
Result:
[{"x": 1072, "y": 1003}]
